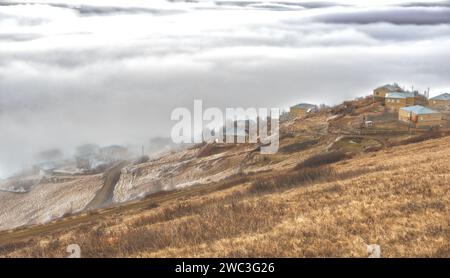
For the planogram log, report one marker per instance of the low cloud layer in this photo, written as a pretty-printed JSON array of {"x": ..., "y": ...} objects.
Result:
[
  {"x": 399, "y": 16},
  {"x": 73, "y": 72}
]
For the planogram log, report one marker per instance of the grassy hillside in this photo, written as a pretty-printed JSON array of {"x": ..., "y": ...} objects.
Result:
[
  {"x": 397, "y": 198},
  {"x": 331, "y": 190}
]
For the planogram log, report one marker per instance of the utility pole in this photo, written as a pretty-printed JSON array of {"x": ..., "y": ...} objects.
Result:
[
  {"x": 409, "y": 122},
  {"x": 362, "y": 125}
]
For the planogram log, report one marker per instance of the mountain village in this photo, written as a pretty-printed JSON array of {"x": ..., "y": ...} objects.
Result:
[
  {"x": 319, "y": 146},
  {"x": 412, "y": 110}
]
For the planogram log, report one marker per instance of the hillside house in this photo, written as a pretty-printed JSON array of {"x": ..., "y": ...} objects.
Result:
[
  {"x": 44, "y": 168},
  {"x": 379, "y": 93},
  {"x": 420, "y": 116},
  {"x": 91, "y": 162},
  {"x": 441, "y": 101},
  {"x": 91, "y": 157},
  {"x": 302, "y": 109},
  {"x": 396, "y": 100}
]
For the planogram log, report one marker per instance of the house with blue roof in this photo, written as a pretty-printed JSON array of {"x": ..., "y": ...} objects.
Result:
[
  {"x": 396, "y": 100},
  {"x": 440, "y": 101},
  {"x": 420, "y": 116}
]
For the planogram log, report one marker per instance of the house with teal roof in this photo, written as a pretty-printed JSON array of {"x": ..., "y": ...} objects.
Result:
[{"x": 419, "y": 116}]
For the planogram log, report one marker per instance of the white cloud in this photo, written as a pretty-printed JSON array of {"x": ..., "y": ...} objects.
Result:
[{"x": 69, "y": 76}]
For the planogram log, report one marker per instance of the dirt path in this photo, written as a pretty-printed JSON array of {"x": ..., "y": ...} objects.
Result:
[
  {"x": 156, "y": 199},
  {"x": 104, "y": 196},
  {"x": 382, "y": 141}
]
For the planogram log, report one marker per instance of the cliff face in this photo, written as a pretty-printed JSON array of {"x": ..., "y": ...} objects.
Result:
[
  {"x": 180, "y": 170},
  {"x": 135, "y": 182}
]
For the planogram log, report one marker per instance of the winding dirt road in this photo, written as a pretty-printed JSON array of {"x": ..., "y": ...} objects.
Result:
[
  {"x": 153, "y": 200},
  {"x": 104, "y": 196}
]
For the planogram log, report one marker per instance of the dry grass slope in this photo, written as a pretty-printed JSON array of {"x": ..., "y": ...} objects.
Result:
[{"x": 397, "y": 198}]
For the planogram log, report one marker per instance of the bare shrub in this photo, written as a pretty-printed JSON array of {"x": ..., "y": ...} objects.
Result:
[
  {"x": 300, "y": 146},
  {"x": 141, "y": 159},
  {"x": 207, "y": 222},
  {"x": 211, "y": 149},
  {"x": 322, "y": 159},
  {"x": 300, "y": 177},
  {"x": 420, "y": 138},
  {"x": 12, "y": 246},
  {"x": 370, "y": 149},
  {"x": 285, "y": 135}
]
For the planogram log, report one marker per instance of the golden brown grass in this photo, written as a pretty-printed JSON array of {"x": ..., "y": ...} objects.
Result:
[{"x": 397, "y": 198}]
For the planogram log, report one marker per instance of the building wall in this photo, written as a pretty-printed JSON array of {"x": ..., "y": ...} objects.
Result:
[
  {"x": 403, "y": 116},
  {"x": 427, "y": 120},
  {"x": 396, "y": 104},
  {"x": 410, "y": 101},
  {"x": 380, "y": 94},
  {"x": 440, "y": 103}
]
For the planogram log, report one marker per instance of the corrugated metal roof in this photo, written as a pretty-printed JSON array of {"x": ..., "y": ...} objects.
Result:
[
  {"x": 304, "y": 106},
  {"x": 418, "y": 110},
  {"x": 400, "y": 95},
  {"x": 445, "y": 96}
]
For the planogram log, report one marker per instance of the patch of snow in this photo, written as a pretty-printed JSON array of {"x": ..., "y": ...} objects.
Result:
[{"x": 47, "y": 201}]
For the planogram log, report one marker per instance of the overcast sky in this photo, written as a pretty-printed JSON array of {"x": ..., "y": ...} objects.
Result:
[{"x": 109, "y": 72}]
